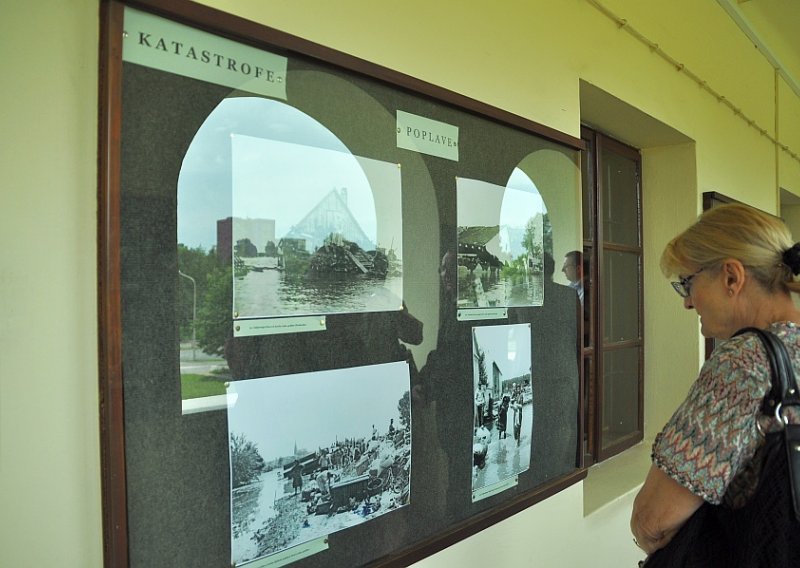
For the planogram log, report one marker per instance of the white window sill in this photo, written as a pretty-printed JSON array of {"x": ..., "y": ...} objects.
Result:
[{"x": 615, "y": 477}]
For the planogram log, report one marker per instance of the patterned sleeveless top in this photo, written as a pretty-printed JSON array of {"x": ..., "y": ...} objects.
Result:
[{"x": 710, "y": 445}]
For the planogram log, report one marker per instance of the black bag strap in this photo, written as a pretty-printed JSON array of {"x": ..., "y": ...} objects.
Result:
[{"x": 784, "y": 392}]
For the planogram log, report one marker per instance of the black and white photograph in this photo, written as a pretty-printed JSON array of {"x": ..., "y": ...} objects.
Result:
[
  {"x": 503, "y": 402},
  {"x": 315, "y": 453},
  {"x": 314, "y": 231},
  {"x": 500, "y": 243}
]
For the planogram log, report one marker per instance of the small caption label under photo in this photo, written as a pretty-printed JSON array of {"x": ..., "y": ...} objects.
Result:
[
  {"x": 495, "y": 488},
  {"x": 273, "y": 326},
  {"x": 474, "y": 314},
  {"x": 289, "y": 555}
]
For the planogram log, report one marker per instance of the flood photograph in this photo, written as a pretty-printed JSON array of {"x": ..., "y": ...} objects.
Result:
[
  {"x": 500, "y": 244},
  {"x": 503, "y": 403},
  {"x": 314, "y": 231},
  {"x": 315, "y": 453}
]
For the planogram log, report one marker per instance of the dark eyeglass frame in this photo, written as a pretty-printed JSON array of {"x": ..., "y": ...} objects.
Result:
[{"x": 684, "y": 286}]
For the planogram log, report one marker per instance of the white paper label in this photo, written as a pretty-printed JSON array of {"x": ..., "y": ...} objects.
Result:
[
  {"x": 427, "y": 136},
  {"x": 290, "y": 554},
  {"x": 272, "y": 326},
  {"x": 169, "y": 46},
  {"x": 472, "y": 314},
  {"x": 495, "y": 488}
]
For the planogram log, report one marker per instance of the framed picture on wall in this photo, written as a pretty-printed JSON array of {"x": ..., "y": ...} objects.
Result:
[{"x": 299, "y": 253}]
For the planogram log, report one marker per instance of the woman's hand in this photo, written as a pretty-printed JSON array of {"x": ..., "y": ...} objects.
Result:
[{"x": 660, "y": 509}]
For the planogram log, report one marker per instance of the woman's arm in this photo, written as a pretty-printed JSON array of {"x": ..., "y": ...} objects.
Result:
[{"x": 660, "y": 509}]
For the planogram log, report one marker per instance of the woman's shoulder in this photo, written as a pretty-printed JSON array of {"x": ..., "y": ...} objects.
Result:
[
  {"x": 733, "y": 352},
  {"x": 787, "y": 331},
  {"x": 745, "y": 352}
]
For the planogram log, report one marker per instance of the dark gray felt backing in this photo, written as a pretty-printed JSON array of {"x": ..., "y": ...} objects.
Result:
[{"x": 177, "y": 466}]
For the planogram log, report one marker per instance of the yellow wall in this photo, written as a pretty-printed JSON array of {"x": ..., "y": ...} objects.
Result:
[
  {"x": 789, "y": 133},
  {"x": 49, "y": 436},
  {"x": 527, "y": 58}
]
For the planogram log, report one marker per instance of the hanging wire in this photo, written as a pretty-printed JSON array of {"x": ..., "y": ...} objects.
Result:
[{"x": 681, "y": 68}]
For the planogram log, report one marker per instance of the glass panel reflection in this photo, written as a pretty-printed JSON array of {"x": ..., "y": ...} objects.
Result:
[
  {"x": 587, "y": 185},
  {"x": 621, "y": 295},
  {"x": 620, "y": 395},
  {"x": 620, "y": 199},
  {"x": 500, "y": 243}
]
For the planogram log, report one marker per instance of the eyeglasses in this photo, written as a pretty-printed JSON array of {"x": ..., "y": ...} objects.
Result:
[{"x": 684, "y": 286}]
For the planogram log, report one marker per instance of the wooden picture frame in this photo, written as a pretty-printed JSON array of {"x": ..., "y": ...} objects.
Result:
[{"x": 150, "y": 443}]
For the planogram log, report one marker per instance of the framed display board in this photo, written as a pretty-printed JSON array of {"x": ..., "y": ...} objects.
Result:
[{"x": 330, "y": 333}]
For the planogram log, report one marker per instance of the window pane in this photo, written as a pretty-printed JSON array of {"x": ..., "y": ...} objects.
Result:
[
  {"x": 621, "y": 296},
  {"x": 620, "y": 199},
  {"x": 588, "y": 293},
  {"x": 587, "y": 169},
  {"x": 620, "y": 394},
  {"x": 589, "y": 398}
]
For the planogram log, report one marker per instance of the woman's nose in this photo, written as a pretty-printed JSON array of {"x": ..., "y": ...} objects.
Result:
[{"x": 687, "y": 302}]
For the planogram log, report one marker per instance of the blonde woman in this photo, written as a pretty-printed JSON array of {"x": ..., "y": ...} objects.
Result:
[{"x": 736, "y": 269}]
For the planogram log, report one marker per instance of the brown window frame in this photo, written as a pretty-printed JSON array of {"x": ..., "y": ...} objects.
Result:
[{"x": 594, "y": 348}]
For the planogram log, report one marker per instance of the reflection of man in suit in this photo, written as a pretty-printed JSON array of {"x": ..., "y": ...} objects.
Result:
[{"x": 573, "y": 271}]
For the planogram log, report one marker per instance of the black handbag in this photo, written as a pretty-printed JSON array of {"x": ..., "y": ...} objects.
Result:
[{"x": 765, "y": 532}]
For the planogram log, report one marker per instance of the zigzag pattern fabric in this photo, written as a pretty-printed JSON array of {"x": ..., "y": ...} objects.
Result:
[{"x": 709, "y": 444}]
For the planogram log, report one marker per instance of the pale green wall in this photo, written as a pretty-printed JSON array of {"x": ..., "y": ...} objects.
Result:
[
  {"x": 789, "y": 131},
  {"x": 527, "y": 58},
  {"x": 49, "y": 436},
  {"x": 791, "y": 215}
]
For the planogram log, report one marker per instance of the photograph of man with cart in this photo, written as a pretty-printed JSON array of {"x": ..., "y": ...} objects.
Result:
[{"x": 300, "y": 475}]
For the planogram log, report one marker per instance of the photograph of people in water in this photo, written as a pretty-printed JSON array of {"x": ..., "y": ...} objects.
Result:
[{"x": 503, "y": 402}]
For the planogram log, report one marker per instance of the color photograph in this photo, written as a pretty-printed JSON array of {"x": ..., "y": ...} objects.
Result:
[
  {"x": 314, "y": 231},
  {"x": 500, "y": 243}
]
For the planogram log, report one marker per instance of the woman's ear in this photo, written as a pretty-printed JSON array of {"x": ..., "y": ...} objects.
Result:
[{"x": 734, "y": 273}]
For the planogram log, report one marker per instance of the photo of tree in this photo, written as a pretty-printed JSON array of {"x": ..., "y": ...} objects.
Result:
[
  {"x": 315, "y": 453},
  {"x": 503, "y": 425},
  {"x": 500, "y": 243}
]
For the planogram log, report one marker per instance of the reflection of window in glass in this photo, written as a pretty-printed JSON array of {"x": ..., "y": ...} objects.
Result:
[
  {"x": 303, "y": 165},
  {"x": 305, "y": 192},
  {"x": 329, "y": 247},
  {"x": 612, "y": 258},
  {"x": 522, "y": 218},
  {"x": 204, "y": 182},
  {"x": 500, "y": 243}
]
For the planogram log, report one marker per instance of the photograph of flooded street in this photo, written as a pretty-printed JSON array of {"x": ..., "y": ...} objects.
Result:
[
  {"x": 503, "y": 423},
  {"x": 500, "y": 243}
]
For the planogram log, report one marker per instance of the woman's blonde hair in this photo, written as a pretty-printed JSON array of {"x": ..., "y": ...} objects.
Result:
[{"x": 761, "y": 242}]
